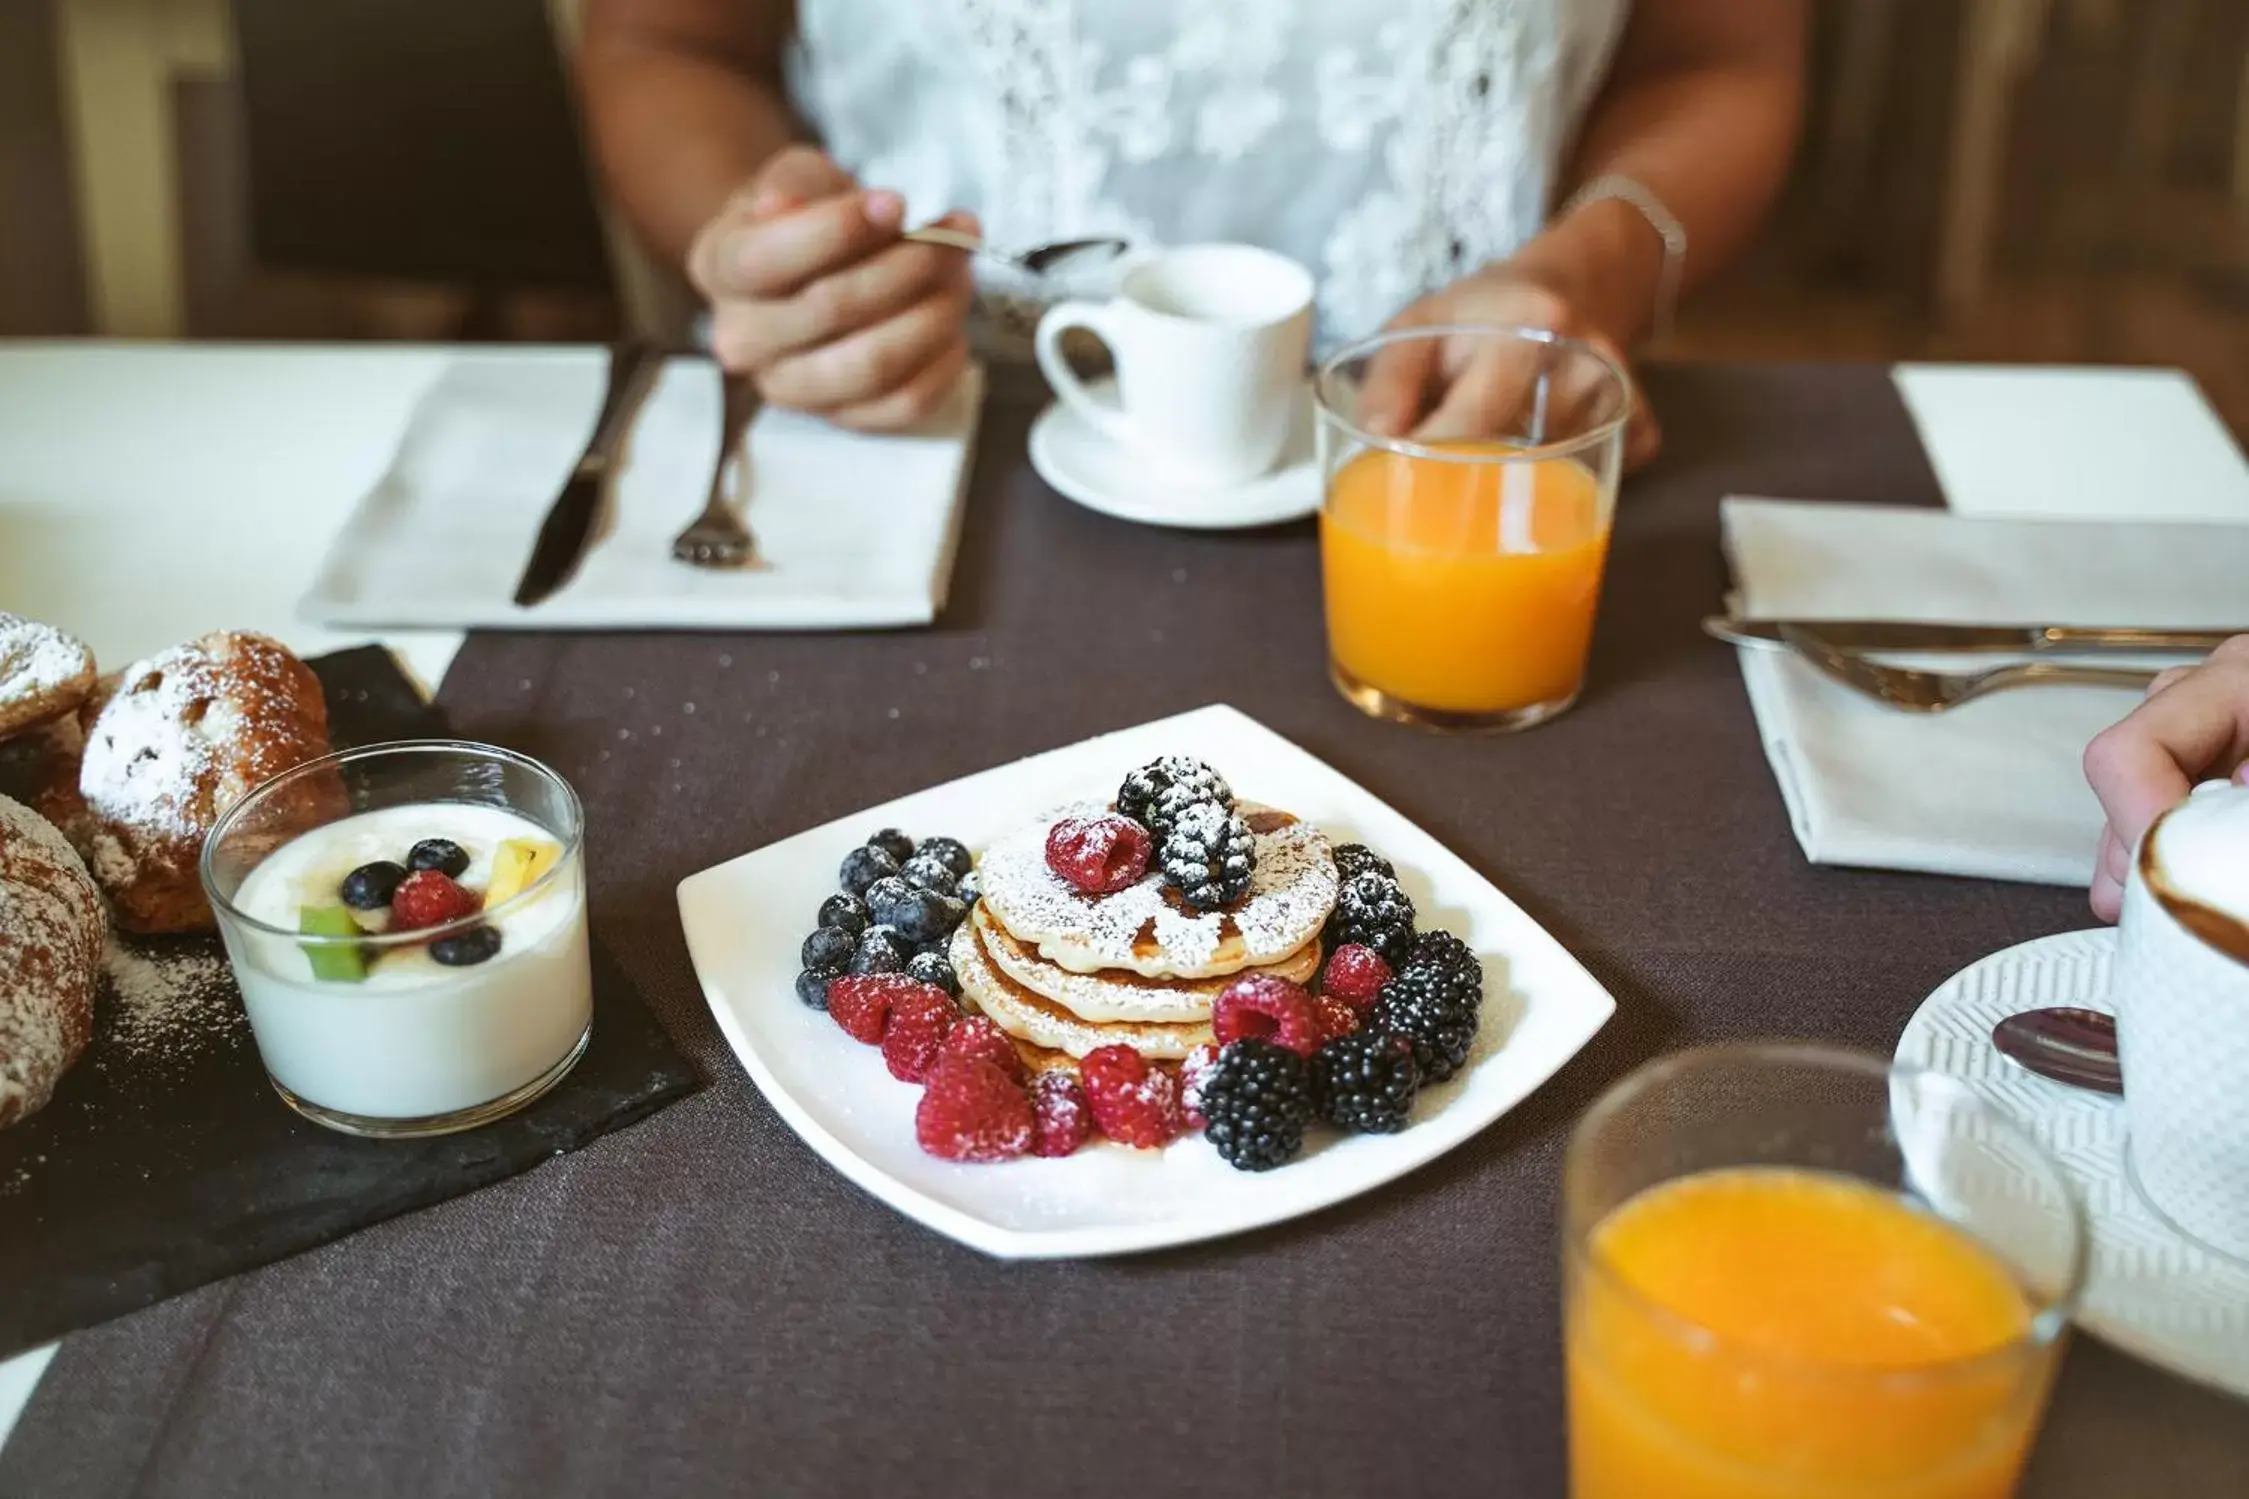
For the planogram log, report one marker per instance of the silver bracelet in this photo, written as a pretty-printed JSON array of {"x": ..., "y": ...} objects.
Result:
[{"x": 1661, "y": 219}]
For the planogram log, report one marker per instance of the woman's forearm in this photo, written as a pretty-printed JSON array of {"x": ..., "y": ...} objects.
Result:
[
  {"x": 683, "y": 108},
  {"x": 1701, "y": 109}
]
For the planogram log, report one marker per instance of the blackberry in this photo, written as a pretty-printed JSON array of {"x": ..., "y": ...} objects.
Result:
[
  {"x": 1366, "y": 1082},
  {"x": 1356, "y": 858},
  {"x": 1179, "y": 780},
  {"x": 923, "y": 872},
  {"x": 1209, "y": 856},
  {"x": 467, "y": 948},
  {"x": 812, "y": 989},
  {"x": 1373, "y": 911},
  {"x": 894, "y": 843},
  {"x": 950, "y": 852},
  {"x": 1258, "y": 1099},
  {"x": 1423, "y": 1006},
  {"x": 933, "y": 968},
  {"x": 862, "y": 867},
  {"x": 846, "y": 913},
  {"x": 827, "y": 951},
  {"x": 441, "y": 854},
  {"x": 881, "y": 950},
  {"x": 369, "y": 887},
  {"x": 1443, "y": 961}
]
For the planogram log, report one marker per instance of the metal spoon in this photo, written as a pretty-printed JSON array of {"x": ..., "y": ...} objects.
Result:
[
  {"x": 1037, "y": 260},
  {"x": 2065, "y": 1044}
]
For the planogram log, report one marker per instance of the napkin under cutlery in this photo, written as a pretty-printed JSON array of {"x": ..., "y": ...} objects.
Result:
[
  {"x": 1992, "y": 788},
  {"x": 855, "y": 531}
]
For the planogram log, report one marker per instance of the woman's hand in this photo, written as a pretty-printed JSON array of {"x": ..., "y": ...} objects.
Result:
[
  {"x": 2193, "y": 726},
  {"x": 1466, "y": 388},
  {"x": 815, "y": 296}
]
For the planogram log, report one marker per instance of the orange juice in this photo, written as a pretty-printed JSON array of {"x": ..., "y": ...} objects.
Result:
[
  {"x": 1466, "y": 587},
  {"x": 1844, "y": 1343}
]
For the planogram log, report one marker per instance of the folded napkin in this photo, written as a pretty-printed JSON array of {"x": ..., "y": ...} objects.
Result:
[
  {"x": 1992, "y": 788},
  {"x": 855, "y": 530}
]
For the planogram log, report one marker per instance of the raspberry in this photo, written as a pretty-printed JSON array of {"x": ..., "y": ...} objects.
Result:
[
  {"x": 1133, "y": 1103},
  {"x": 1060, "y": 1119},
  {"x": 1199, "y": 1061},
  {"x": 861, "y": 1002},
  {"x": 427, "y": 898},
  {"x": 1099, "y": 855},
  {"x": 1355, "y": 975},
  {"x": 1336, "y": 1017},
  {"x": 1269, "y": 1008},
  {"x": 972, "y": 1111},
  {"x": 975, "y": 1036},
  {"x": 915, "y": 1033}
]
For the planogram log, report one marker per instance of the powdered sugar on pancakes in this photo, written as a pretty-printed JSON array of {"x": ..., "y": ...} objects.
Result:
[
  {"x": 1139, "y": 929},
  {"x": 43, "y": 672},
  {"x": 51, "y": 930},
  {"x": 1114, "y": 996},
  {"x": 1047, "y": 1026}
]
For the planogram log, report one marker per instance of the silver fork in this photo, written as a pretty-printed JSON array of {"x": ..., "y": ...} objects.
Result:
[
  {"x": 719, "y": 537},
  {"x": 1935, "y": 691}
]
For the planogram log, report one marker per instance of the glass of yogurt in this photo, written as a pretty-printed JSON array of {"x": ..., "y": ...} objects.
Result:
[{"x": 408, "y": 926}]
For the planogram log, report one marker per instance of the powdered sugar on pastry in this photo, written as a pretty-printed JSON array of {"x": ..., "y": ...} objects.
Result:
[
  {"x": 51, "y": 929},
  {"x": 1114, "y": 996},
  {"x": 43, "y": 673},
  {"x": 1142, "y": 929}
]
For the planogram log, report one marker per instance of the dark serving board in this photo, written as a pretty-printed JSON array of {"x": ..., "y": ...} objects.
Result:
[{"x": 157, "y": 1169}]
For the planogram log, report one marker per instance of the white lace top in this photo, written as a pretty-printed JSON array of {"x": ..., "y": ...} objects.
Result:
[{"x": 1389, "y": 145}]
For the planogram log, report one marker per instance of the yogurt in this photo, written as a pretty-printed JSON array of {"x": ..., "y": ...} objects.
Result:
[{"x": 414, "y": 1039}]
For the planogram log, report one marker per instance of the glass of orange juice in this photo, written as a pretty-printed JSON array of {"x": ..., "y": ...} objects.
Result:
[
  {"x": 1799, "y": 1271},
  {"x": 1463, "y": 564}
]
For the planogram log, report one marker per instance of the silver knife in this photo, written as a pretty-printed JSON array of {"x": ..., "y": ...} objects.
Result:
[
  {"x": 1902, "y": 635},
  {"x": 569, "y": 523}
]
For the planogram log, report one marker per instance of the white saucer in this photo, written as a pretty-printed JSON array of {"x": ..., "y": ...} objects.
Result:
[
  {"x": 1085, "y": 465},
  {"x": 2149, "y": 1292}
]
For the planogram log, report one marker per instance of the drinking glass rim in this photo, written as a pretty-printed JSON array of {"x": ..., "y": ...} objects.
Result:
[
  {"x": 1362, "y": 347},
  {"x": 572, "y": 842},
  {"x": 2047, "y": 1323}
]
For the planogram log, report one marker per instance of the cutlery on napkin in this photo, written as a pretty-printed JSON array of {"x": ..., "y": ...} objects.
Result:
[
  {"x": 1994, "y": 787},
  {"x": 859, "y": 530}
]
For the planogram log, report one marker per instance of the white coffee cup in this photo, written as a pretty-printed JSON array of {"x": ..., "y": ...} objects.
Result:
[
  {"x": 1209, "y": 343},
  {"x": 2180, "y": 989}
]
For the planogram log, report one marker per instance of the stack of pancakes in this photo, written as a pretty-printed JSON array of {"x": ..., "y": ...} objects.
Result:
[{"x": 1064, "y": 973}]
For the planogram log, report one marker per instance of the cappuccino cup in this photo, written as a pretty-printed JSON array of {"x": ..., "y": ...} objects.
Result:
[
  {"x": 1209, "y": 343},
  {"x": 2181, "y": 994}
]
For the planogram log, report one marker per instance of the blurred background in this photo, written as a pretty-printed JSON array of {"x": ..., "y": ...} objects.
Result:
[{"x": 2034, "y": 180}]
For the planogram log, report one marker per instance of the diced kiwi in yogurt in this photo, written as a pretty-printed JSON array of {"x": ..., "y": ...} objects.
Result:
[{"x": 332, "y": 962}]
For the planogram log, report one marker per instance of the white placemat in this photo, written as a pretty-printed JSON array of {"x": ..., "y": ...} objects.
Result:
[
  {"x": 1992, "y": 788},
  {"x": 854, "y": 530}
]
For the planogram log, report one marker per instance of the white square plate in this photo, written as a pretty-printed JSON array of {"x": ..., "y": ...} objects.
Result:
[{"x": 745, "y": 920}]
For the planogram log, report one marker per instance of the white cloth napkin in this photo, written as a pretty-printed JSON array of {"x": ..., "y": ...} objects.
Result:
[
  {"x": 855, "y": 530},
  {"x": 1991, "y": 788}
]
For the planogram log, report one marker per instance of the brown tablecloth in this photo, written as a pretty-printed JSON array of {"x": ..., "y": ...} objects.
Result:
[{"x": 699, "y": 1305}]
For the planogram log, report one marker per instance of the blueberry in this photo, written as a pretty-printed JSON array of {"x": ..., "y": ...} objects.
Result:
[
  {"x": 932, "y": 968},
  {"x": 827, "y": 950},
  {"x": 950, "y": 852},
  {"x": 441, "y": 854},
  {"x": 369, "y": 887},
  {"x": 885, "y": 894},
  {"x": 926, "y": 916},
  {"x": 812, "y": 988},
  {"x": 893, "y": 843},
  {"x": 862, "y": 867},
  {"x": 971, "y": 887},
  {"x": 881, "y": 950},
  {"x": 466, "y": 949},
  {"x": 930, "y": 874},
  {"x": 846, "y": 913}
]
